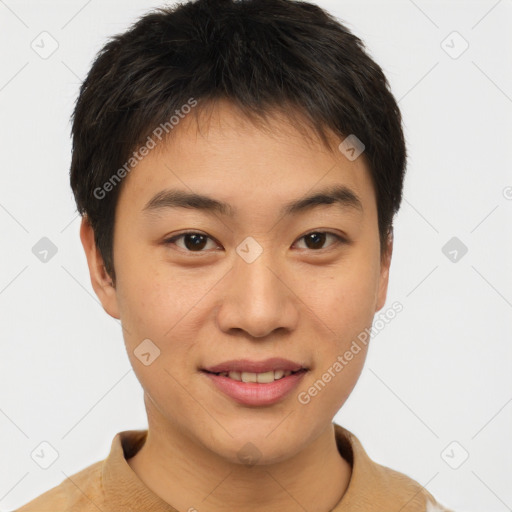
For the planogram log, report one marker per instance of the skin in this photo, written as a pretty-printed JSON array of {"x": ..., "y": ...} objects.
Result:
[{"x": 295, "y": 301}]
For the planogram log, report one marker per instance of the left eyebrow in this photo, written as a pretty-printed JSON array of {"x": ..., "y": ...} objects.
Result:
[{"x": 339, "y": 195}]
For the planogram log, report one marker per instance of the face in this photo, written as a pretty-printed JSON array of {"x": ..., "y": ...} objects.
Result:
[{"x": 248, "y": 281}]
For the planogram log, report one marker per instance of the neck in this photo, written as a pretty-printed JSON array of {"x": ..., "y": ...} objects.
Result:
[{"x": 189, "y": 477}]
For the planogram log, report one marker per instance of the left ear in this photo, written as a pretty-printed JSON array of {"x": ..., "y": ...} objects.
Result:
[{"x": 384, "y": 272}]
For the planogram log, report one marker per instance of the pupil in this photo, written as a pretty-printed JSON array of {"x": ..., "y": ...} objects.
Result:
[
  {"x": 318, "y": 240},
  {"x": 198, "y": 241}
]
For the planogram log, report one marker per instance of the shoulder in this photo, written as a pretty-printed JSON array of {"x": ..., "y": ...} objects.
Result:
[
  {"x": 401, "y": 488},
  {"x": 81, "y": 492},
  {"x": 374, "y": 486}
]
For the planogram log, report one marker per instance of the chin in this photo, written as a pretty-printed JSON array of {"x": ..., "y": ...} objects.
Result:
[{"x": 256, "y": 447}]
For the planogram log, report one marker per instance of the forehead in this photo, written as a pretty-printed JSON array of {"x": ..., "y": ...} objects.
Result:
[{"x": 225, "y": 155}]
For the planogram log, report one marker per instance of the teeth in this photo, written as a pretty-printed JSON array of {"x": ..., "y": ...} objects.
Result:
[
  {"x": 261, "y": 378},
  {"x": 264, "y": 378},
  {"x": 249, "y": 377}
]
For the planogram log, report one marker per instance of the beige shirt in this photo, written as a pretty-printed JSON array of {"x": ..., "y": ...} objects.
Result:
[{"x": 111, "y": 485}]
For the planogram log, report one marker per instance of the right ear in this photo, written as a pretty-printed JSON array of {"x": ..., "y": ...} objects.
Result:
[{"x": 100, "y": 279}]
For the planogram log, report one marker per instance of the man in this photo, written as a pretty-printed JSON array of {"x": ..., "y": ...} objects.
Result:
[{"x": 238, "y": 166}]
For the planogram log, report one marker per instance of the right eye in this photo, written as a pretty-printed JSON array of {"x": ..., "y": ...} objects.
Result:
[{"x": 193, "y": 241}]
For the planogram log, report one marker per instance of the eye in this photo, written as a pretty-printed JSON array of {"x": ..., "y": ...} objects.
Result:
[
  {"x": 192, "y": 241},
  {"x": 316, "y": 239}
]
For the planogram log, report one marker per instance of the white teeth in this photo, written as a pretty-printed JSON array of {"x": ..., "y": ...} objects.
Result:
[
  {"x": 249, "y": 377},
  {"x": 278, "y": 374},
  {"x": 266, "y": 377},
  {"x": 262, "y": 378}
]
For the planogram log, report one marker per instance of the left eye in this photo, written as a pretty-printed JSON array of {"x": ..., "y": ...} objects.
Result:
[
  {"x": 316, "y": 238},
  {"x": 196, "y": 242}
]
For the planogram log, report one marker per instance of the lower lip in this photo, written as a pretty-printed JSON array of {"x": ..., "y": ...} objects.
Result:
[{"x": 253, "y": 393}]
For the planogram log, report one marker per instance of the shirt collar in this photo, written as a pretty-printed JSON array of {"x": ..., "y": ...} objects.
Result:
[
  {"x": 367, "y": 490},
  {"x": 122, "y": 488}
]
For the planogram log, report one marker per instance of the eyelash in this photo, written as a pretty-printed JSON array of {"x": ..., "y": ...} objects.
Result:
[{"x": 170, "y": 241}]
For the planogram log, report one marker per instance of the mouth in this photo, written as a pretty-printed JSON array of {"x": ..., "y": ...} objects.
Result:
[{"x": 256, "y": 383}]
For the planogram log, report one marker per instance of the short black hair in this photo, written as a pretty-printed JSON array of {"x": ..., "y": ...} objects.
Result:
[{"x": 263, "y": 56}]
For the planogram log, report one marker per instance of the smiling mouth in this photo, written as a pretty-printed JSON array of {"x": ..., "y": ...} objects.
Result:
[{"x": 260, "y": 378}]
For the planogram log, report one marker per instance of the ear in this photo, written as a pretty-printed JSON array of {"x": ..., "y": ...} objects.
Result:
[
  {"x": 100, "y": 279},
  {"x": 384, "y": 272}
]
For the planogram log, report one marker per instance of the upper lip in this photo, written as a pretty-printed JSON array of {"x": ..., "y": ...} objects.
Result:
[{"x": 246, "y": 365}]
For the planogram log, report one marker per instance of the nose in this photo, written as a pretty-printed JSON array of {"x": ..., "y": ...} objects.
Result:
[{"x": 258, "y": 298}]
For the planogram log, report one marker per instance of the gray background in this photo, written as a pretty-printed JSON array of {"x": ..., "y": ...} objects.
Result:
[{"x": 437, "y": 386}]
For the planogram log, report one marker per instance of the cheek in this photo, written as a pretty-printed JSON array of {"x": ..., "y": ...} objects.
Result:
[
  {"x": 148, "y": 297},
  {"x": 144, "y": 306},
  {"x": 347, "y": 300},
  {"x": 340, "y": 356},
  {"x": 152, "y": 309},
  {"x": 345, "y": 303},
  {"x": 164, "y": 305}
]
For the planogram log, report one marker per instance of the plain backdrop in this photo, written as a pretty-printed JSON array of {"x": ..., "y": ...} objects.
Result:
[{"x": 435, "y": 398}]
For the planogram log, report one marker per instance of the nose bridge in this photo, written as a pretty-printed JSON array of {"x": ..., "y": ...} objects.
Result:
[
  {"x": 258, "y": 279},
  {"x": 256, "y": 300}
]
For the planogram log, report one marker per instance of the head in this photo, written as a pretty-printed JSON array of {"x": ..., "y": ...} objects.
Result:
[{"x": 289, "y": 246}]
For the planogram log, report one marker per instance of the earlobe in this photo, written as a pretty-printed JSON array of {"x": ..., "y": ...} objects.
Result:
[{"x": 100, "y": 279}]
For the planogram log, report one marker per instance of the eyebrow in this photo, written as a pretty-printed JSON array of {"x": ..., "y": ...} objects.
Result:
[{"x": 339, "y": 195}]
